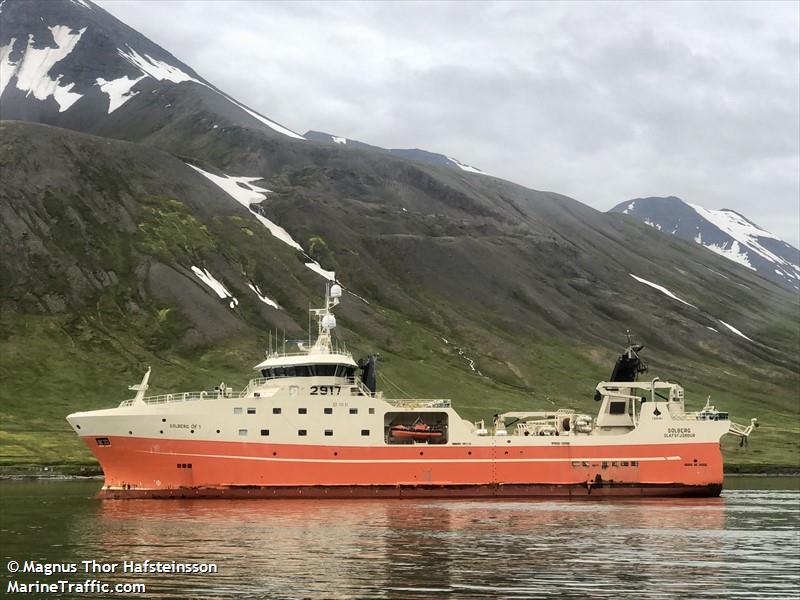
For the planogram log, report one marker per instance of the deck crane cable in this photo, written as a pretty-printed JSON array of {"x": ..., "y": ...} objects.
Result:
[{"x": 394, "y": 385}]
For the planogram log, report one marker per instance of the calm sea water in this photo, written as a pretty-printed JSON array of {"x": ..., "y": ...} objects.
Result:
[{"x": 745, "y": 544}]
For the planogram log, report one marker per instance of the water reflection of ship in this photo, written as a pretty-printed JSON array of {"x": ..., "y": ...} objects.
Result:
[{"x": 339, "y": 549}]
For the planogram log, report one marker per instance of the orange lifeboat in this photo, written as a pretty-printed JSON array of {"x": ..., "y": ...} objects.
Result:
[{"x": 418, "y": 431}]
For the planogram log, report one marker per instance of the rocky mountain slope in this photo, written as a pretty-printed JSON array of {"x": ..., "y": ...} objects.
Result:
[
  {"x": 409, "y": 153},
  {"x": 181, "y": 245},
  {"x": 724, "y": 231}
]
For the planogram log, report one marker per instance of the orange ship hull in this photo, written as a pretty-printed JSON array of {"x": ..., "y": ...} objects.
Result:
[{"x": 144, "y": 467}]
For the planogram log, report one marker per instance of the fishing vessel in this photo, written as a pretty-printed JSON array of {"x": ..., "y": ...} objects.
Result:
[{"x": 313, "y": 424}]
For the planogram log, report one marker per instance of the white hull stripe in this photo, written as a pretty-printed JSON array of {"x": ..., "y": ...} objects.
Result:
[{"x": 416, "y": 460}]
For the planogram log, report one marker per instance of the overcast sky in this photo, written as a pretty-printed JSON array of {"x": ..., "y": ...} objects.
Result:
[{"x": 603, "y": 102}]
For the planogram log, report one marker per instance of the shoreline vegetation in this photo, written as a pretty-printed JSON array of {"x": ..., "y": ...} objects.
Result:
[{"x": 69, "y": 472}]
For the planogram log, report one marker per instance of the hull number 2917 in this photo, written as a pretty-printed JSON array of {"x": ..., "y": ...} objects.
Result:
[{"x": 326, "y": 390}]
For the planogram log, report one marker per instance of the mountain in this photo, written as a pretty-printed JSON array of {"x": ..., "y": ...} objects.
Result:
[
  {"x": 72, "y": 64},
  {"x": 409, "y": 153},
  {"x": 150, "y": 237},
  {"x": 724, "y": 231}
]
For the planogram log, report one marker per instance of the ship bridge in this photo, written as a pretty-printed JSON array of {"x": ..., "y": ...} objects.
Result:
[
  {"x": 322, "y": 359},
  {"x": 305, "y": 364}
]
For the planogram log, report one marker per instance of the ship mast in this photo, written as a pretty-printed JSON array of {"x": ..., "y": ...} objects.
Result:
[{"x": 325, "y": 319}]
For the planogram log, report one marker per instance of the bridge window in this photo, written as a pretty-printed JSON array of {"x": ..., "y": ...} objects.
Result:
[
  {"x": 309, "y": 371},
  {"x": 617, "y": 408}
]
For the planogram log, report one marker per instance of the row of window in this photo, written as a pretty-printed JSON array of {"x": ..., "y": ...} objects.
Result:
[
  {"x": 301, "y": 432},
  {"x": 605, "y": 464},
  {"x": 310, "y": 371},
  {"x": 300, "y": 411},
  {"x": 184, "y": 465}
]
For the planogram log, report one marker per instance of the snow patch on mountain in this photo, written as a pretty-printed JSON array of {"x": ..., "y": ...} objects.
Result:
[
  {"x": 465, "y": 167},
  {"x": 628, "y": 208},
  {"x": 653, "y": 225},
  {"x": 157, "y": 69},
  {"x": 661, "y": 289},
  {"x": 745, "y": 233},
  {"x": 245, "y": 193},
  {"x": 734, "y": 253},
  {"x": 118, "y": 90},
  {"x": 160, "y": 70},
  {"x": 338, "y": 140},
  {"x": 33, "y": 69},
  {"x": 314, "y": 266},
  {"x": 81, "y": 3},
  {"x": 734, "y": 330},
  {"x": 218, "y": 288},
  {"x": 261, "y": 296}
]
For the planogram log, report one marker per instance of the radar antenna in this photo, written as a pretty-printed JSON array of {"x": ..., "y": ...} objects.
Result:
[{"x": 326, "y": 321}]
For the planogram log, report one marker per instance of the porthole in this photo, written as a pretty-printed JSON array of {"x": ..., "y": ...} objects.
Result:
[
  {"x": 78, "y": 426},
  {"x": 217, "y": 430},
  {"x": 130, "y": 433},
  {"x": 192, "y": 431},
  {"x": 163, "y": 420},
  {"x": 161, "y": 432}
]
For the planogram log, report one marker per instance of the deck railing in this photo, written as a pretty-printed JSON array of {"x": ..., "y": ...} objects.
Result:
[
  {"x": 254, "y": 383},
  {"x": 420, "y": 403},
  {"x": 188, "y": 396}
]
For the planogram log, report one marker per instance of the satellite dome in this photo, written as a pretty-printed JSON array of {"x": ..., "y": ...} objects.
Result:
[
  {"x": 336, "y": 291},
  {"x": 329, "y": 321}
]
